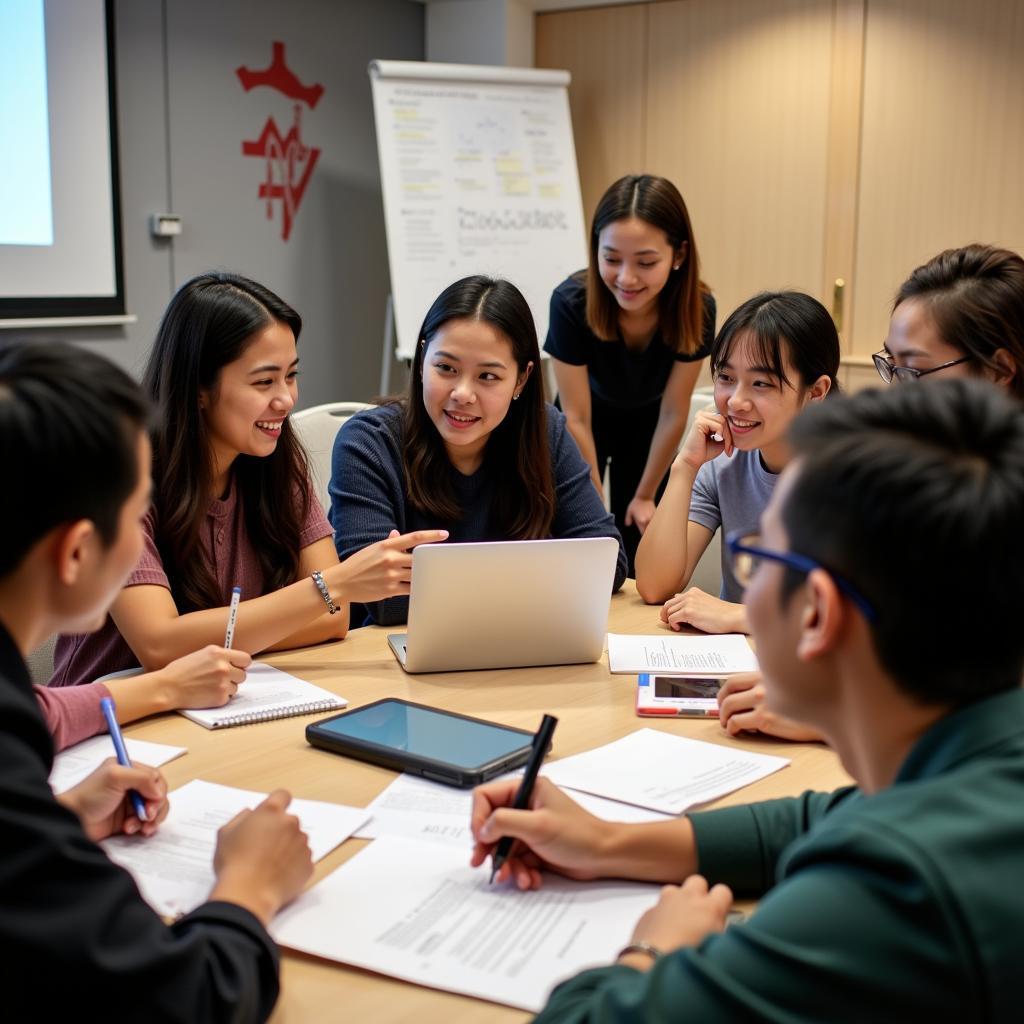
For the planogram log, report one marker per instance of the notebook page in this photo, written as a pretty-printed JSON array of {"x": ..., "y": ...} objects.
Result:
[{"x": 267, "y": 693}]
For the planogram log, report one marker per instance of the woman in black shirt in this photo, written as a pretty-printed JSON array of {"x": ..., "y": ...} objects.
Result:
[{"x": 627, "y": 336}]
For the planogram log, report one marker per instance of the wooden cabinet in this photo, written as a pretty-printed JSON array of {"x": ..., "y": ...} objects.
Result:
[{"x": 815, "y": 141}]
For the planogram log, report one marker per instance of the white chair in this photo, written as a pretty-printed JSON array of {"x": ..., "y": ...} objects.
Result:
[{"x": 317, "y": 428}]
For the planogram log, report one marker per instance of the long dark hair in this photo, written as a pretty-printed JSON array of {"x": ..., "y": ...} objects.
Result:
[
  {"x": 783, "y": 323},
  {"x": 517, "y": 450},
  {"x": 975, "y": 295},
  {"x": 208, "y": 324},
  {"x": 681, "y": 302}
]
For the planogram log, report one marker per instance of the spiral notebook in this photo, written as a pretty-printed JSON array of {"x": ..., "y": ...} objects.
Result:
[{"x": 266, "y": 694}]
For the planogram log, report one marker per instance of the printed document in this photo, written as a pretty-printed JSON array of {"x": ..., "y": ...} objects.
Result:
[
  {"x": 417, "y": 911},
  {"x": 174, "y": 868},
  {"x": 72, "y": 765},
  {"x": 670, "y": 654},
  {"x": 417, "y": 809},
  {"x": 666, "y": 773}
]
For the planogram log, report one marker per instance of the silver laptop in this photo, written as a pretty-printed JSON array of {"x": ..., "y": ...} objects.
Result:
[{"x": 507, "y": 604}]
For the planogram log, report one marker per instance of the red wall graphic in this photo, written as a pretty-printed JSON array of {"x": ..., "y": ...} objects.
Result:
[{"x": 289, "y": 162}]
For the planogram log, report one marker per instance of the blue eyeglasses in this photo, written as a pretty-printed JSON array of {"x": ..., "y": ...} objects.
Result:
[{"x": 747, "y": 554}]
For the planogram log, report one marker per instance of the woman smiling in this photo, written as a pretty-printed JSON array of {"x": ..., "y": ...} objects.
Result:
[
  {"x": 472, "y": 448},
  {"x": 232, "y": 504}
]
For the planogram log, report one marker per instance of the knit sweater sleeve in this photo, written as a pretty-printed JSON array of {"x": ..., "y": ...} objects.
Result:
[
  {"x": 368, "y": 493},
  {"x": 72, "y": 713}
]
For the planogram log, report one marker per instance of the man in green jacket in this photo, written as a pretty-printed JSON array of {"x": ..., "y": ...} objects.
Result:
[{"x": 885, "y": 594}]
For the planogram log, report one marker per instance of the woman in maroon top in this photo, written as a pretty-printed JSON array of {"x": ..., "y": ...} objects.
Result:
[{"x": 232, "y": 503}]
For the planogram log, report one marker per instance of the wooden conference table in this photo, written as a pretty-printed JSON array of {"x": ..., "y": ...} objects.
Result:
[{"x": 593, "y": 706}]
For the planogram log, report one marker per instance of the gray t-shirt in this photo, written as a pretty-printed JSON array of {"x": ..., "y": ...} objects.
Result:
[{"x": 731, "y": 493}]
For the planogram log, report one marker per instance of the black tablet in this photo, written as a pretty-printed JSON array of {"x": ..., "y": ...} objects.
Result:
[{"x": 438, "y": 745}]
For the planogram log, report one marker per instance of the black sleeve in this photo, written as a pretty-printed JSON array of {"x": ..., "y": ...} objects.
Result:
[
  {"x": 708, "y": 336},
  {"x": 568, "y": 335},
  {"x": 579, "y": 511},
  {"x": 76, "y": 934}
]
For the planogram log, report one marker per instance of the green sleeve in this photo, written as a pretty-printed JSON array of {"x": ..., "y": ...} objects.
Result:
[
  {"x": 741, "y": 846},
  {"x": 855, "y": 934}
]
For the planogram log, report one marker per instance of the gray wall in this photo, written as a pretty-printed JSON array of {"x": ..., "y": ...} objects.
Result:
[{"x": 183, "y": 116}]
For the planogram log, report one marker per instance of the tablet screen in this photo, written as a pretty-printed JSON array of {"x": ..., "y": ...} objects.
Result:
[{"x": 427, "y": 733}]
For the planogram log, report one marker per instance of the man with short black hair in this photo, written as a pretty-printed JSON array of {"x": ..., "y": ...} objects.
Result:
[
  {"x": 77, "y": 938},
  {"x": 885, "y": 595}
]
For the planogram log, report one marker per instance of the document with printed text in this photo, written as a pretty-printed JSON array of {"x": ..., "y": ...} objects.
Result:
[
  {"x": 661, "y": 771},
  {"x": 417, "y": 911},
  {"x": 174, "y": 868},
  {"x": 671, "y": 654},
  {"x": 72, "y": 765},
  {"x": 417, "y": 809}
]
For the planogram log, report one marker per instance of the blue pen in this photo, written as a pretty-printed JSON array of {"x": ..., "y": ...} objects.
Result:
[{"x": 107, "y": 707}]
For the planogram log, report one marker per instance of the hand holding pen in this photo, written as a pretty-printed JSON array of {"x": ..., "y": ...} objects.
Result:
[
  {"x": 554, "y": 832},
  {"x": 109, "y": 713},
  {"x": 541, "y": 743},
  {"x": 99, "y": 799}
]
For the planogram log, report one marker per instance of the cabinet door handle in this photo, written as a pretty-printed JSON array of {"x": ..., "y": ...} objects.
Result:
[{"x": 838, "y": 289}]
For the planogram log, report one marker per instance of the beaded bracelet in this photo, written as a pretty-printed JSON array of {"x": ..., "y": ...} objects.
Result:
[{"x": 318, "y": 579}]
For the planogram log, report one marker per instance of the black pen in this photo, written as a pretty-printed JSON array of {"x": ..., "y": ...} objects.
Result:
[{"x": 541, "y": 743}]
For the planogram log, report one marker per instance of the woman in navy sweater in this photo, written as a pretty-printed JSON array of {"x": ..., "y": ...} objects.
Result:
[{"x": 472, "y": 448}]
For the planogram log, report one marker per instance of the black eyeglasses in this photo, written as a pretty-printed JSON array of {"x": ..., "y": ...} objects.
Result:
[
  {"x": 889, "y": 371},
  {"x": 747, "y": 555}
]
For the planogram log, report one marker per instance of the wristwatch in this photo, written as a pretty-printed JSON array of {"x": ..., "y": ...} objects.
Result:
[{"x": 640, "y": 947}]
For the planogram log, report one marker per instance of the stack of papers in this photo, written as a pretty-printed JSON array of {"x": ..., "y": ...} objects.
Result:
[
  {"x": 414, "y": 808},
  {"x": 174, "y": 868},
  {"x": 410, "y": 906},
  {"x": 681, "y": 655},
  {"x": 72, "y": 765},
  {"x": 417, "y": 911},
  {"x": 663, "y": 772}
]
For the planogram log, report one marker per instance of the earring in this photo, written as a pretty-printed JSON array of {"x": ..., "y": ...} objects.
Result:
[
  {"x": 515, "y": 398},
  {"x": 676, "y": 266}
]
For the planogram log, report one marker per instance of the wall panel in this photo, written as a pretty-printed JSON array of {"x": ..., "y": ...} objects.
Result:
[
  {"x": 942, "y": 154},
  {"x": 738, "y": 113},
  {"x": 605, "y": 49}
]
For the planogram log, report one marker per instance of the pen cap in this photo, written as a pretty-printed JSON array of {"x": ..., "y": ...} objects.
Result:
[{"x": 542, "y": 739}]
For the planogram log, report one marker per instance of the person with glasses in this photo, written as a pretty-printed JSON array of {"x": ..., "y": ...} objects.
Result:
[
  {"x": 960, "y": 314},
  {"x": 776, "y": 353},
  {"x": 895, "y": 898}
]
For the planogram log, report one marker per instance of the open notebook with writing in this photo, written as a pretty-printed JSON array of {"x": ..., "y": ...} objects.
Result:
[{"x": 266, "y": 694}]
